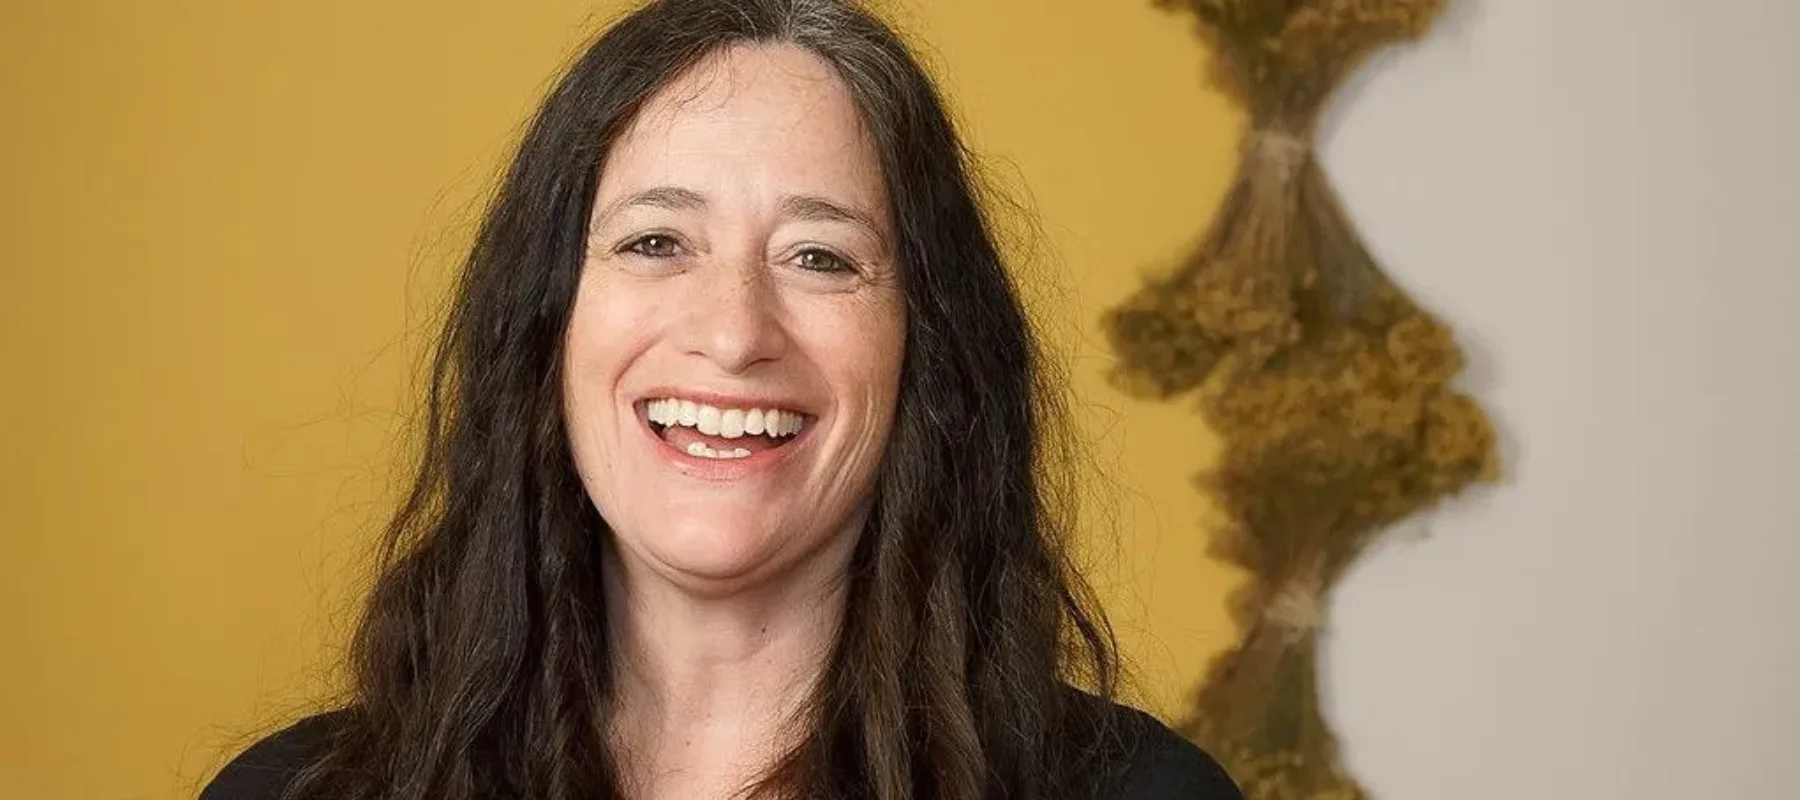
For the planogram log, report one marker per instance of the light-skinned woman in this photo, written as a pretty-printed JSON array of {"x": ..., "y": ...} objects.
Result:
[{"x": 735, "y": 475}]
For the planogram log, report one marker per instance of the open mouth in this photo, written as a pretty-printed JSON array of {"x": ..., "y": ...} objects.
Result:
[{"x": 706, "y": 431}]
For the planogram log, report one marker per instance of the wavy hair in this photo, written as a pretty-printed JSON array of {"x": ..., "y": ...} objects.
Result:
[{"x": 481, "y": 667}]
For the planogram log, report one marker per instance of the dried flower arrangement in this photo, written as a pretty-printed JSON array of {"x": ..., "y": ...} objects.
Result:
[{"x": 1328, "y": 387}]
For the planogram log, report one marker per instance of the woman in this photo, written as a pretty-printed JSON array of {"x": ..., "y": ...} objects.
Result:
[{"x": 732, "y": 480}]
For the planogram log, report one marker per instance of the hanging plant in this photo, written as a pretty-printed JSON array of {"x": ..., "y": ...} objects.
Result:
[{"x": 1329, "y": 388}]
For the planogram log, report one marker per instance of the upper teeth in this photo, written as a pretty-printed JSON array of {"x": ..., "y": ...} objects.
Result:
[{"x": 728, "y": 423}]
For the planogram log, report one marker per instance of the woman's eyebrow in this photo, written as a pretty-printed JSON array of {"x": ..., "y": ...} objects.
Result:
[
  {"x": 672, "y": 198},
  {"x": 813, "y": 208},
  {"x": 807, "y": 207}
]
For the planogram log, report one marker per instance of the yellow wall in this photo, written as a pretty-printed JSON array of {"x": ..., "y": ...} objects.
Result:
[{"x": 223, "y": 228}]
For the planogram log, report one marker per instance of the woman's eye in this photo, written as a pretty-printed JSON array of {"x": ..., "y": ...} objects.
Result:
[
  {"x": 655, "y": 245},
  {"x": 816, "y": 260}
]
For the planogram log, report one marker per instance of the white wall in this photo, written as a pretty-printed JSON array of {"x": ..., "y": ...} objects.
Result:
[{"x": 1604, "y": 196}]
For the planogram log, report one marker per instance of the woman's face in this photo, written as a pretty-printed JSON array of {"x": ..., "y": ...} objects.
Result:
[{"x": 734, "y": 356}]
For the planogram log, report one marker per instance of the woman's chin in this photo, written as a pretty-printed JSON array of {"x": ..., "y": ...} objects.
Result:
[
  {"x": 716, "y": 557},
  {"x": 726, "y": 542}
]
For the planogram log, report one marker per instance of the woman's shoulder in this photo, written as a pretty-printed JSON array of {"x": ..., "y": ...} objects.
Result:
[
  {"x": 1148, "y": 761},
  {"x": 264, "y": 771}
]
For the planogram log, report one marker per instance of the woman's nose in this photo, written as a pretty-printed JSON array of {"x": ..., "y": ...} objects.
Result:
[{"x": 734, "y": 319}]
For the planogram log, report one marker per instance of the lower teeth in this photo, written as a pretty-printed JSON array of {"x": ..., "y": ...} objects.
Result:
[{"x": 702, "y": 451}]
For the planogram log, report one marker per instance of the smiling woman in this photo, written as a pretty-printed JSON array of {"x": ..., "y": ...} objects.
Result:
[
  {"x": 732, "y": 481},
  {"x": 739, "y": 269}
]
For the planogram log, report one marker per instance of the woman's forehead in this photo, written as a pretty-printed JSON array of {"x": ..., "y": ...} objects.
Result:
[{"x": 772, "y": 119}]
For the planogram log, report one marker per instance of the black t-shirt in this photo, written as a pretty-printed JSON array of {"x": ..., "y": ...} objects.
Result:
[{"x": 1155, "y": 764}]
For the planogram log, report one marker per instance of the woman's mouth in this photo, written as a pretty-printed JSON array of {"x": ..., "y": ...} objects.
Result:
[{"x": 722, "y": 433}]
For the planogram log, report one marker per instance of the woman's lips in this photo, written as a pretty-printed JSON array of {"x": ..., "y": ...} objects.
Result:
[{"x": 716, "y": 443}]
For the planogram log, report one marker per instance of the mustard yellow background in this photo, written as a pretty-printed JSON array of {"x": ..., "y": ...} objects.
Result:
[{"x": 224, "y": 231}]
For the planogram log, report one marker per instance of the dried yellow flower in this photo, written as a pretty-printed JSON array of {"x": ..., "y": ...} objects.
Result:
[{"x": 1330, "y": 389}]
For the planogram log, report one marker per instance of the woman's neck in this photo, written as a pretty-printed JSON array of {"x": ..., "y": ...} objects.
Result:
[{"x": 712, "y": 689}]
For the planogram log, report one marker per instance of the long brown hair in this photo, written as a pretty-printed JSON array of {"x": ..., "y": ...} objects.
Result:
[{"x": 481, "y": 668}]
